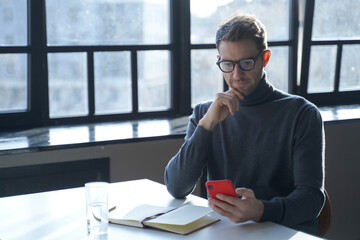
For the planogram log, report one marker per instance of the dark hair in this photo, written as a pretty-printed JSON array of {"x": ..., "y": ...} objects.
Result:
[{"x": 242, "y": 26}]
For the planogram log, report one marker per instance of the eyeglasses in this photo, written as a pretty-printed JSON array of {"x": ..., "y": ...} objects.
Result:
[{"x": 247, "y": 64}]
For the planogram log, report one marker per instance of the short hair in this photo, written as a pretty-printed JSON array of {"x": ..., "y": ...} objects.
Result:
[{"x": 240, "y": 27}]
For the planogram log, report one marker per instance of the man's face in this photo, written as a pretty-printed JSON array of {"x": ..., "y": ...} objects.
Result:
[{"x": 244, "y": 81}]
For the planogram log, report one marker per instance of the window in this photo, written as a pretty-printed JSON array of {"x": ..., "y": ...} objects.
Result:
[
  {"x": 13, "y": 82},
  {"x": 153, "y": 79},
  {"x": 206, "y": 16},
  {"x": 13, "y": 56},
  {"x": 121, "y": 29},
  {"x": 68, "y": 84},
  {"x": 330, "y": 74},
  {"x": 87, "y": 61},
  {"x": 103, "y": 22},
  {"x": 112, "y": 82},
  {"x": 84, "y": 61}
]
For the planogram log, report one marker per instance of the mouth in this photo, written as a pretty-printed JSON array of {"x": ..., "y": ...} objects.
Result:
[{"x": 241, "y": 82}]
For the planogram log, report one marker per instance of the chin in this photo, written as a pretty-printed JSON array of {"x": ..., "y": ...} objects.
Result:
[{"x": 242, "y": 91}]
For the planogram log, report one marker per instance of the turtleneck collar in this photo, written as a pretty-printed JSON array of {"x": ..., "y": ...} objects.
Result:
[{"x": 261, "y": 94}]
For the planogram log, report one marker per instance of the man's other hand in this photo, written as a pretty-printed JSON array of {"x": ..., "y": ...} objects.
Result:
[{"x": 238, "y": 210}]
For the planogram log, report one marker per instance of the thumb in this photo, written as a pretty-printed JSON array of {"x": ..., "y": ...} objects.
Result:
[{"x": 245, "y": 193}]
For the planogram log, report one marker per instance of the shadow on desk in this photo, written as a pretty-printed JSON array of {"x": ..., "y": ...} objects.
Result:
[{"x": 252, "y": 230}]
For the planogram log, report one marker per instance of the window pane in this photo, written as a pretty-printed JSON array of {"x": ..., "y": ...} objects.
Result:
[
  {"x": 277, "y": 69},
  {"x": 206, "y": 77},
  {"x": 13, "y": 82},
  {"x": 336, "y": 19},
  {"x": 322, "y": 69},
  {"x": 104, "y": 22},
  {"x": 207, "y": 15},
  {"x": 67, "y": 85},
  {"x": 350, "y": 70},
  {"x": 112, "y": 82},
  {"x": 154, "y": 80},
  {"x": 13, "y": 23}
]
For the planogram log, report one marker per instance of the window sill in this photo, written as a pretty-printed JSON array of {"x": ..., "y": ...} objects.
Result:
[
  {"x": 65, "y": 137},
  {"x": 85, "y": 135},
  {"x": 335, "y": 114}
]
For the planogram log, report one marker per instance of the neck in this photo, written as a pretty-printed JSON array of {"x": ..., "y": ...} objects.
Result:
[{"x": 261, "y": 94}]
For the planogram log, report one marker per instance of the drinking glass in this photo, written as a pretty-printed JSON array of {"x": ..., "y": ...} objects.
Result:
[{"x": 97, "y": 213}]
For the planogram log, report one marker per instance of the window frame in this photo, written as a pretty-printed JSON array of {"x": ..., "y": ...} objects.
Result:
[
  {"x": 37, "y": 113},
  {"x": 292, "y": 43},
  {"x": 327, "y": 98},
  {"x": 90, "y": 50},
  {"x": 180, "y": 48}
]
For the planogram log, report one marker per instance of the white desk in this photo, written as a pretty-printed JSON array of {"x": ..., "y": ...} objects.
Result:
[{"x": 61, "y": 215}]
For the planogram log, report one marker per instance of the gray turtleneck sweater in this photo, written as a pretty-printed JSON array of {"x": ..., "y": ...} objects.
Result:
[{"x": 273, "y": 145}]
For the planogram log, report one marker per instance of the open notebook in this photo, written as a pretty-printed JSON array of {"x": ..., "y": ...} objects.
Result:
[{"x": 182, "y": 220}]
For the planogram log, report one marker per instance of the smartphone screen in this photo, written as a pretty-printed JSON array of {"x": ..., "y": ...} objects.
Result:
[{"x": 220, "y": 186}]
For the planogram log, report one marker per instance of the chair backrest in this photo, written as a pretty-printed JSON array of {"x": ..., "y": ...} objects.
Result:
[{"x": 324, "y": 218}]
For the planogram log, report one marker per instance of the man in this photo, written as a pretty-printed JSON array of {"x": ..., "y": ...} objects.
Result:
[{"x": 269, "y": 143}]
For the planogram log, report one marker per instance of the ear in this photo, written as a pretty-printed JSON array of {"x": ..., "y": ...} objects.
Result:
[{"x": 267, "y": 55}]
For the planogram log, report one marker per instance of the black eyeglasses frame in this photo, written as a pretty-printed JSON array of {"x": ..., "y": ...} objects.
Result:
[{"x": 239, "y": 63}]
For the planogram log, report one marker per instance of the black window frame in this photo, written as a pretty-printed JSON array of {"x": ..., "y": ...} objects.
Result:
[
  {"x": 292, "y": 43},
  {"x": 327, "y": 98},
  {"x": 180, "y": 48},
  {"x": 90, "y": 50}
]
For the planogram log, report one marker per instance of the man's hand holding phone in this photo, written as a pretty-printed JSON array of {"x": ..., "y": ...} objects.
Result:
[{"x": 239, "y": 205}]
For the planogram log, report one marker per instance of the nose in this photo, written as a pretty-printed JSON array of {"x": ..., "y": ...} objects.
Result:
[{"x": 237, "y": 72}]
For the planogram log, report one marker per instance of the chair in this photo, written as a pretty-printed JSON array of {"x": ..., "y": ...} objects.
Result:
[{"x": 324, "y": 218}]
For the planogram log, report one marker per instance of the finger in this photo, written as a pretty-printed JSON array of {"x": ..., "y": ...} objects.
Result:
[
  {"x": 238, "y": 94},
  {"x": 227, "y": 198},
  {"x": 221, "y": 211},
  {"x": 233, "y": 99},
  {"x": 228, "y": 100},
  {"x": 232, "y": 108},
  {"x": 222, "y": 207},
  {"x": 227, "y": 210},
  {"x": 213, "y": 203},
  {"x": 245, "y": 193}
]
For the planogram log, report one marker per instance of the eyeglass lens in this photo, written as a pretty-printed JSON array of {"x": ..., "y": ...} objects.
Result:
[{"x": 246, "y": 65}]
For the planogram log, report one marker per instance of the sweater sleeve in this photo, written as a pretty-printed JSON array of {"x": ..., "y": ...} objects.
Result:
[
  {"x": 185, "y": 168},
  {"x": 304, "y": 203}
]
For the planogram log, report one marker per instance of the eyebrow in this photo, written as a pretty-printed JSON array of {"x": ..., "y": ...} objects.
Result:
[
  {"x": 221, "y": 59},
  {"x": 240, "y": 59}
]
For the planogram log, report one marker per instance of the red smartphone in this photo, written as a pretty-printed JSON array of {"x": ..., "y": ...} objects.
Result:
[{"x": 220, "y": 186}]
